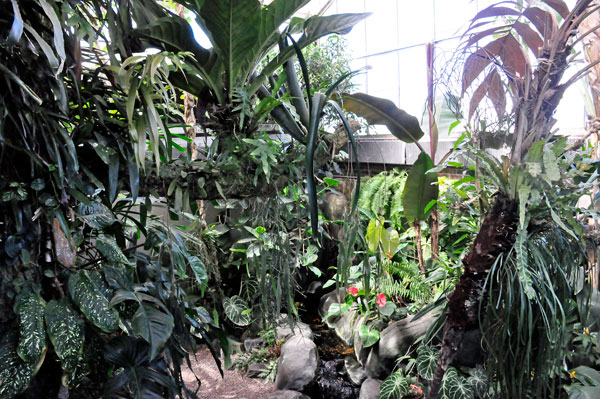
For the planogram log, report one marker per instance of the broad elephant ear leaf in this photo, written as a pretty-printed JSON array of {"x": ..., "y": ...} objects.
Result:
[
  {"x": 153, "y": 325},
  {"x": 29, "y": 307},
  {"x": 15, "y": 374},
  {"x": 380, "y": 111},
  {"x": 419, "y": 190},
  {"x": 92, "y": 302},
  {"x": 243, "y": 31}
]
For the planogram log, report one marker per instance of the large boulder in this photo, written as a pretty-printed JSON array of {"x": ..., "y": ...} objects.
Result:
[
  {"x": 326, "y": 301},
  {"x": 297, "y": 365},
  {"x": 356, "y": 373},
  {"x": 285, "y": 330},
  {"x": 344, "y": 326},
  {"x": 287, "y": 394},
  {"x": 394, "y": 341},
  {"x": 370, "y": 389}
]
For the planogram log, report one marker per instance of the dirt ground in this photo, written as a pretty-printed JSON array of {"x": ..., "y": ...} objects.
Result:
[{"x": 232, "y": 386}]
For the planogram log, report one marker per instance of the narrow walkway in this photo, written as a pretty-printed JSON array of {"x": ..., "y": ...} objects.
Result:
[{"x": 232, "y": 386}]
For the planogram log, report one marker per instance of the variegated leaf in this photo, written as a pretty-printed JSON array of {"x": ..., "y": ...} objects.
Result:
[
  {"x": 107, "y": 245},
  {"x": 97, "y": 215},
  {"x": 92, "y": 303},
  {"x": 15, "y": 374},
  {"x": 66, "y": 330},
  {"x": 32, "y": 334}
]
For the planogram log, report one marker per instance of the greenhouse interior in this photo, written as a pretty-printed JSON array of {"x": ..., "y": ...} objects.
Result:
[{"x": 296, "y": 199}]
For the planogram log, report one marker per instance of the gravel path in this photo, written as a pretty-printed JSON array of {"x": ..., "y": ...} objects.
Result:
[{"x": 232, "y": 386}]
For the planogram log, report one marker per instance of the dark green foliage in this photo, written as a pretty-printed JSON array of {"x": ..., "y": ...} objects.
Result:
[
  {"x": 66, "y": 330},
  {"x": 15, "y": 374},
  {"x": 29, "y": 307},
  {"x": 86, "y": 294}
]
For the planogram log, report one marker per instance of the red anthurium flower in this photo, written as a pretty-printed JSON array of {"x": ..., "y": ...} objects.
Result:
[
  {"x": 381, "y": 300},
  {"x": 353, "y": 291}
]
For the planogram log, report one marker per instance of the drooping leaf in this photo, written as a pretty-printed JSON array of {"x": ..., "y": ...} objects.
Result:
[
  {"x": 29, "y": 307},
  {"x": 420, "y": 189},
  {"x": 153, "y": 325},
  {"x": 559, "y": 5},
  {"x": 16, "y": 29},
  {"x": 15, "y": 374},
  {"x": 314, "y": 28},
  {"x": 427, "y": 358},
  {"x": 64, "y": 247},
  {"x": 544, "y": 22},
  {"x": 380, "y": 111},
  {"x": 395, "y": 386},
  {"x": 66, "y": 330},
  {"x": 92, "y": 303},
  {"x": 236, "y": 310}
]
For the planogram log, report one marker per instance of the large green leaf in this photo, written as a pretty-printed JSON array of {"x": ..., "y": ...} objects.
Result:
[
  {"x": 242, "y": 31},
  {"x": 107, "y": 245},
  {"x": 153, "y": 325},
  {"x": 66, "y": 330},
  {"x": 92, "y": 302},
  {"x": 455, "y": 387},
  {"x": 313, "y": 29},
  {"x": 420, "y": 189},
  {"x": 152, "y": 320},
  {"x": 96, "y": 215},
  {"x": 380, "y": 111},
  {"x": 368, "y": 336},
  {"x": 236, "y": 310},
  {"x": 15, "y": 374},
  {"x": 176, "y": 35},
  {"x": 395, "y": 386},
  {"x": 587, "y": 385},
  {"x": 427, "y": 358},
  {"x": 32, "y": 334}
]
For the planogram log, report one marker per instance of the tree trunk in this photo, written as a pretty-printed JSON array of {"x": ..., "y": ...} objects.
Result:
[{"x": 497, "y": 236}]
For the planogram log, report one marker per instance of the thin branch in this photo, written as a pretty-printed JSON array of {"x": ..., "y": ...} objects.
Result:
[{"x": 580, "y": 74}]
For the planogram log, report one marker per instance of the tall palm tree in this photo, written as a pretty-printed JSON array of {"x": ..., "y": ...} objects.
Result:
[{"x": 524, "y": 54}]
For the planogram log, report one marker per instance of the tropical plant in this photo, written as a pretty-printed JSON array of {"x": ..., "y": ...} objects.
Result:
[
  {"x": 533, "y": 211},
  {"x": 119, "y": 320}
]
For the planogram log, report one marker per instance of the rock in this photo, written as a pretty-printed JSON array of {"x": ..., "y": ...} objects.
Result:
[
  {"x": 370, "y": 389},
  {"x": 297, "y": 365},
  {"x": 395, "y": 341},
  {"x": 334, "y": 205},
  {"x": 287, "y": 394},
  {"x": 470, "y": 352},
  {"x": 331, "y": 382},
  {"x": 344, "y": 327},
  {"x": 253, "y": 343},
  {"x": 354, "y": 370},
  {"x": 326, "y": 301},
  {"x": 257, "y": 370},
  {"x": 285, "y": 330},
  {"x": 314, "y": 287}
]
